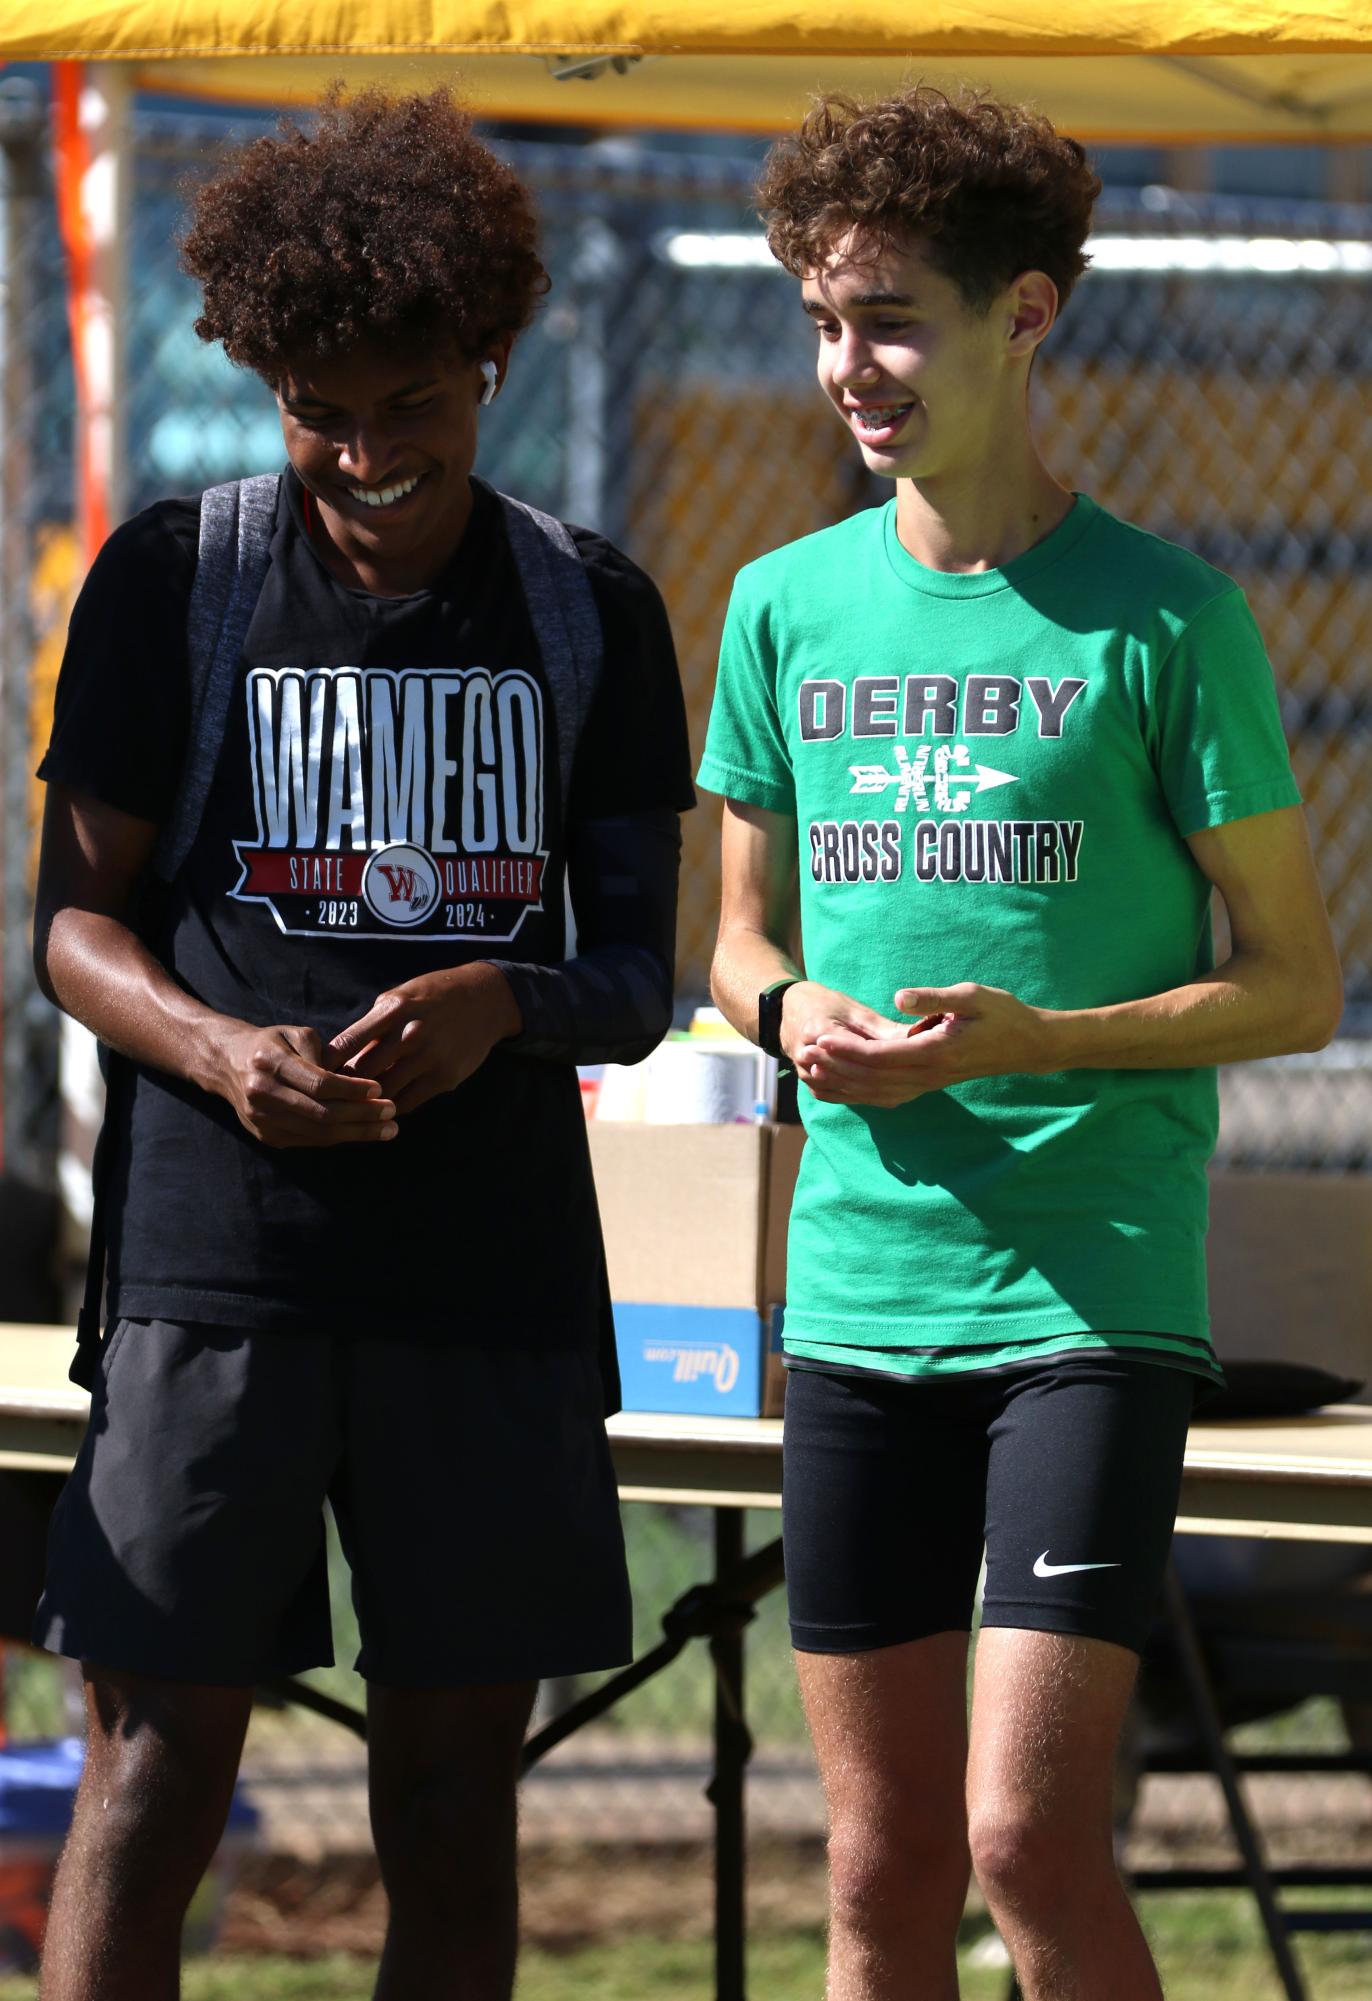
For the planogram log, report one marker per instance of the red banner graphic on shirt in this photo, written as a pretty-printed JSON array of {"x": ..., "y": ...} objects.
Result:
[{"x": 314, "y": 872}]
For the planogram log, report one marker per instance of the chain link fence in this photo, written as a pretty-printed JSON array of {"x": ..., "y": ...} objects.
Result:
[
  {"x": 1217, "y": 396},
  {"x": 1223, "y": 406},
  {"x": 1209, "y": 381}
]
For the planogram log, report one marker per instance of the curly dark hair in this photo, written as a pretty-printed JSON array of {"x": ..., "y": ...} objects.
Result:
[
  {"x": 991, "y": 189},
  {"x": 386, "y": 223}
]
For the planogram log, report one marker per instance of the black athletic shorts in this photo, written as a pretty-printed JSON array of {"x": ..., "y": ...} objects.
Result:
[
  {"x": 1067, "y": 1472},
  {"x": 473, "y": 1492}
]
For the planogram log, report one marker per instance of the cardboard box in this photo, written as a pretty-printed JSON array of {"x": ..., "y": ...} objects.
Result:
[
  {"x": 701, "y": 1361},
  {"x": 694, "y": 1221}
]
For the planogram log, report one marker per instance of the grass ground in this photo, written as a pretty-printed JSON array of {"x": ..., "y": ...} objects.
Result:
[{"x": 1208, "y": 1949}]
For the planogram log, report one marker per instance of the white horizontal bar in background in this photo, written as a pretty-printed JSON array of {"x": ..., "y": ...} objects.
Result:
[
  {"x": 1243, "y": 256},
  {"x": 717, "y": 250},
  {"x": 1233, "y": 256}
]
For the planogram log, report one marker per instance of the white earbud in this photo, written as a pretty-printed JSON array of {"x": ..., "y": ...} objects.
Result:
[{"x": 490, "y": 375}]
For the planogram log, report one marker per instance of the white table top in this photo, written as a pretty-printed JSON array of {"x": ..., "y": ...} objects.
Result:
[{"x": 1303, "y": 1478}]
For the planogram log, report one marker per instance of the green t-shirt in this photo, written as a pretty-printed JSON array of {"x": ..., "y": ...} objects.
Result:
[{"x": 993, "y": 776}]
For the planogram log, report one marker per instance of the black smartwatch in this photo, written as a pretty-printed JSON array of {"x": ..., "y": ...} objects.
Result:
[{"x": 769, "y": 1017}]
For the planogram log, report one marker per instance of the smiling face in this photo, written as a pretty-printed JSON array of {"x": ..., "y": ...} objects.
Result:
[
  {"x": 386, "y": 447},
  {"x": 924, "y": 382}
]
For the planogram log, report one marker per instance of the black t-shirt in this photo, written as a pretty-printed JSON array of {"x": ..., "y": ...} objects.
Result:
[{"x": 386, "y": 802}]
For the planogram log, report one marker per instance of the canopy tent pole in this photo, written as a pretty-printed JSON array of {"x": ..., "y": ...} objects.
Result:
[
  {"x": 91, "y": 104},
  {"x": 93, "y": 161}
]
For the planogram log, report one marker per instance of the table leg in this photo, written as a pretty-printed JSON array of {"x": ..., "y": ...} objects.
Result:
[
  {"x": 718, "y": 1612},
  {"x": 732, "y": 1748},
  {"x": 1245, "y": 1833}
]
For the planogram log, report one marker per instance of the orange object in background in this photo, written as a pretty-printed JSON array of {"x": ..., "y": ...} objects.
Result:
[
  {"x": 38, "y": 1784},
  {"x": 25, "y": 1886},
  {"x": 72, "y": 160}
]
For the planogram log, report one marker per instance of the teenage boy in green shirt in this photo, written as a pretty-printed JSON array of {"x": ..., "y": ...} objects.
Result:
[{"x": 1009, "y": 744}]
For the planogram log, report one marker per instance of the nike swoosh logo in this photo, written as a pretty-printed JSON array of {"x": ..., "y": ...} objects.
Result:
[{"x": 1043, "y": 1568}]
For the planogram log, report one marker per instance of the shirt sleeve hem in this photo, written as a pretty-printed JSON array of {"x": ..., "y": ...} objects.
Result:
[
  {"x": 1241, "y": 802},
  {"x": 58, "y": 771},
  {"x": 732, "y": 783}
]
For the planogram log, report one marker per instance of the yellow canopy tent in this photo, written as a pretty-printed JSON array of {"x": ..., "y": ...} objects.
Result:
[{"x": 1164, "y": 71}]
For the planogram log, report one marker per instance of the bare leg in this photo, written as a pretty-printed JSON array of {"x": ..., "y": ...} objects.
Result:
[
  {"x": 890, "y": 1730},
  {"x": 444, "y": 1768},
  {"x": 161, "y": 1758},
  {"x": 1046, "y": 1718}
]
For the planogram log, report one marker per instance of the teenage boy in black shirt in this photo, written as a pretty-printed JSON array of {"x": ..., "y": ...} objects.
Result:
[{"x": 353, "y": 1248}]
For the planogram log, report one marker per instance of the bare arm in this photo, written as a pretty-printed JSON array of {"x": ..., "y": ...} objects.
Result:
[
  {"x": 757, "y": 912},
  {"x": 1279, "y": 990},
  {"x": 91, "y": 962},
  {"x": 757, "y": 899}
]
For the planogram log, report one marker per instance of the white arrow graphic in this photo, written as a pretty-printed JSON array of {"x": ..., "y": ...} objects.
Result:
[
  {"x": 987, "y": 778},
  {"x": 874, "y": 778}
]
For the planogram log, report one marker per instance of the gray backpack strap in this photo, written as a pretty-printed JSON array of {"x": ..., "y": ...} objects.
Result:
[
  {"x": 236, "y": 523},
  {"x": 565, "y": 621}
]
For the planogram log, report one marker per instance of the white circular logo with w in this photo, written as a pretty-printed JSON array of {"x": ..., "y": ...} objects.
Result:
[{"x": 400, "y": 884}]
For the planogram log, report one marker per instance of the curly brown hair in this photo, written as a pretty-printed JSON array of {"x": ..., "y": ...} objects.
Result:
[
  {"x": 991, "y": 189},
  {"x": 387, "y": 223}
]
